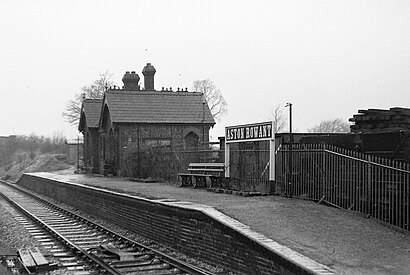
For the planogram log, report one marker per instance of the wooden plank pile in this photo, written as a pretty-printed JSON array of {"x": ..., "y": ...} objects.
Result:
[{"x": 379, "y": 120}]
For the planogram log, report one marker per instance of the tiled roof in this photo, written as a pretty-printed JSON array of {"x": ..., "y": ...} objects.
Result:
[
  {"x": 91, "y": 109},
  {"x": 157, "y": 107}
]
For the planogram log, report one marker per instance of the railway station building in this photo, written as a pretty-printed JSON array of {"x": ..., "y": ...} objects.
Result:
[{"x": 138, "y": 128}]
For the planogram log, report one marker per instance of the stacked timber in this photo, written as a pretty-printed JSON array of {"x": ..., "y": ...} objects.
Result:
[{"x": 379, "y": 120}]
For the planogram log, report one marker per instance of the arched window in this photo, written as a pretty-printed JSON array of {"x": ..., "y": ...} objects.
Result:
[{"x": 191, "y": 140}]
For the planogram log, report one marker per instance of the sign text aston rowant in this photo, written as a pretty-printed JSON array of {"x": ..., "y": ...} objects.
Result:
[{"x": 250, "y": 132}]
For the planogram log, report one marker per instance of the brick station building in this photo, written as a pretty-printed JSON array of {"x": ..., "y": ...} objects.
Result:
[
  {"x": 134, "y": 123},
  {"x": 89, "y": 122}
]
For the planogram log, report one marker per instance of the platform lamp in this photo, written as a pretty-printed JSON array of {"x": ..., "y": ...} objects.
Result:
[
  {"x": 290, "y": 148},
  {"x": 78, "y": 153}
]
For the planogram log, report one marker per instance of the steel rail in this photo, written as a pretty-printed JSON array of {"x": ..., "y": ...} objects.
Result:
[
  {"x": 62, "y": 239},
  {"x": 184, "y": 266}
]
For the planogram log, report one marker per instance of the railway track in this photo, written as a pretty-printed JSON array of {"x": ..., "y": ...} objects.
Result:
[{"x": 83, "y": 247}]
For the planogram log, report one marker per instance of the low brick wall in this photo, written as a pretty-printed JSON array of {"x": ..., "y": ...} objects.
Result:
[{"x": 201, "y": 233}]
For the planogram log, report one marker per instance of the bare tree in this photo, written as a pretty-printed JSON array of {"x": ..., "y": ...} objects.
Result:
[
  {"x": 213, "y": 96},
  {"x": 58, "y": 138},
  {"x": 331, "y": 126},
  {"x": 94, "y": 91},
  {"x": 279, "y": 120}
]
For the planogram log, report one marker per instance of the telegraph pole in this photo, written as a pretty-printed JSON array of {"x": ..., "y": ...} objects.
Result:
[{"x": 203, "y": 130}]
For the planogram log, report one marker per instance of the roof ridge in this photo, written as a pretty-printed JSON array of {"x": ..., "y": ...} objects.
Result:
[
  {"x": 93, "y": 99},
  {"x": 142, "y": 92}
]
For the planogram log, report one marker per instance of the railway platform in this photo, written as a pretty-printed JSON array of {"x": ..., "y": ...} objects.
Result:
[{"x": 347, "y": 242}]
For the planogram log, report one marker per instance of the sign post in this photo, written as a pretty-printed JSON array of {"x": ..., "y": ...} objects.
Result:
[{"x": 251, "y": 132}]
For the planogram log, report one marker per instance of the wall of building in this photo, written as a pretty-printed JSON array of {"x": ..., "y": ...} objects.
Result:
[
  {"x": 184, "y": 228},
  {"x": 91, "y": 153},
  {"x": 148, "y": 150}
]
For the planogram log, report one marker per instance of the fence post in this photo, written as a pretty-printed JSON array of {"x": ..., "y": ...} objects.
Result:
[
  {"x": 227, "y": 160},
  {"x": 272, "y": 165},
  {"x": 323, "y": 169},
  {"x": 369, "y": 182}
]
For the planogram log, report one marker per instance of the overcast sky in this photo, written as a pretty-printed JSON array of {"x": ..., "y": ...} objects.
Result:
[{"x": 328, "y": 58}]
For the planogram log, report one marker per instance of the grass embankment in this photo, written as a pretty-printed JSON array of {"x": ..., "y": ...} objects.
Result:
[{"x": 24, "y": 163}]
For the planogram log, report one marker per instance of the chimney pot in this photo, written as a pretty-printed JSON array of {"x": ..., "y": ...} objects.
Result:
[
  {"x": 130, "y": 81},
  {"x": 149, "y": 72}
]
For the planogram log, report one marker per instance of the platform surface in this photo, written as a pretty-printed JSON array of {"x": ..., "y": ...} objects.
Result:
[{"x": 347, "y": 242}]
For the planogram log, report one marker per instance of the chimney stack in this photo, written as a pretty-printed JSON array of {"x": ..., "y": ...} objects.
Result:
[
  {"x": 148, "y": 73},
  {"x": 130, "y": 81}
]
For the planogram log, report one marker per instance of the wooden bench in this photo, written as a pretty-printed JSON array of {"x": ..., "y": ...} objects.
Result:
[{"x": 202, "y": 175}]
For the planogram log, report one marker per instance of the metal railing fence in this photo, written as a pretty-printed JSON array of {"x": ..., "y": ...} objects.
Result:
[
  {"x": 249, "y": 166},
  {"x": 372, "y": 185}
]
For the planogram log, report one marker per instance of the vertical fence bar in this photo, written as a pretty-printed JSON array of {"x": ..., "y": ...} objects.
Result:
[
  {"x": 389, "y": 194},
  {"x": 323, "y": 175},
  {"x": 337, "y": 179},
  {"x": 394, "y": 194},
  {"x": 359, "y": 186},
  {"x": 369, "y": 183},
  {"x": 301, "y": 176},
  {"x": 375, "y": 190},
  {"x": 354, "y": 190},
  {"x": 311, "y": 185},
  {"x": 400, "y": 198},
  {"x": 407, "y": 199},
  {"x": 364, "y": 187},
  {"x": 348, "y": 183},
  {"x": 308, "y": 191},
  {"x": 333, "y": 178},
  {"x": 330, "y": 176},
  {"x": 382, "y": 204},
  {"x": 316, "y": 180},
  {"x": 380, "y": 190}
]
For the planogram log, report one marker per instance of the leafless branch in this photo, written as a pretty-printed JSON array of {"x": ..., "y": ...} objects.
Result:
[
  {"x": 213, "y": 97},
  {"x": 331, "y": 126},
  {"x": 94, "y": 91},
  {"x": 278, "y": 119}
]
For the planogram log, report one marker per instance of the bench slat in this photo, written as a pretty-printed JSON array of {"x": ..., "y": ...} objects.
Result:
[
  {"x": 205, "y": 170},
  {"x": 221, "y": 165}
]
